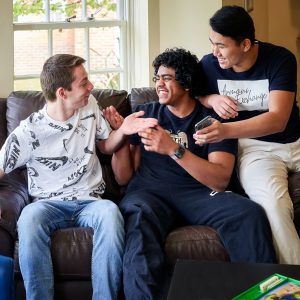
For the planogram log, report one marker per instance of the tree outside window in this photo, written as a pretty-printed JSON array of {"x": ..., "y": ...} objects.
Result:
[{"x": 93, "y": 29}]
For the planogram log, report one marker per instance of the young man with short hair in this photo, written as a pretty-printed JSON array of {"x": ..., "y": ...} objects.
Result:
[
  {"x": 254, "y": 83},
  {"x": 58, "y": 146}
]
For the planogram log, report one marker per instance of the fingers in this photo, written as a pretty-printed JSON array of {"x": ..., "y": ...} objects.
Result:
[
  {"x": 228, "y": 109},
  {"x": 139, "y": 113}
]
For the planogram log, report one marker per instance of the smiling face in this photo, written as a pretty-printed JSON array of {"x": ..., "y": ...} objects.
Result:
[
  {"x": 167, "y": 87},
  {"x": 229, "y": 53},
  {"x": 81, "y": 89}
]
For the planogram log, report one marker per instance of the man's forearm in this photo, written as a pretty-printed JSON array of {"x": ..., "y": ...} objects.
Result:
[
  {"x": 122, "y": 164},
  {"x": 204, "y": 101}
]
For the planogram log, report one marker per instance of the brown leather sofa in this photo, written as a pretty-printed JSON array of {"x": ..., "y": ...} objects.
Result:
[{"x": 71, "y": 248}]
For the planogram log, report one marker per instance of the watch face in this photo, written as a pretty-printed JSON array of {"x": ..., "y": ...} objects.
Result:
[{"x": 179, "y": 152}]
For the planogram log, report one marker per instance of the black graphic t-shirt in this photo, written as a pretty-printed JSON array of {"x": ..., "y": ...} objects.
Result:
[
  {"x": 156, "y": 169},
  {"x": 275, "y": 69}
]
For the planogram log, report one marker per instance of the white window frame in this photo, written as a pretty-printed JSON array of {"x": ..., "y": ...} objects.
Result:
[{"x": 121, "y": 23}]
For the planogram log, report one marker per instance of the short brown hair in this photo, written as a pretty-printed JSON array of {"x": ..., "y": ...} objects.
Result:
[{"x": 58, "y": 72}]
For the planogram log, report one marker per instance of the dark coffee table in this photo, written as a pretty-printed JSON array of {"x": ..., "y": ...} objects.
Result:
[{"x": 204, "y": 280}]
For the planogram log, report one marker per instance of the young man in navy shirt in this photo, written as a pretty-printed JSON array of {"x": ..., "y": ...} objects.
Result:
[
  {"x": 255, "y": 84},
  {"x": 171, "y": 176}
]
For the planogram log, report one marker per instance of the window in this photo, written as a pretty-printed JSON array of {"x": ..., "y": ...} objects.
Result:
[{"x": 93, "y": 29}]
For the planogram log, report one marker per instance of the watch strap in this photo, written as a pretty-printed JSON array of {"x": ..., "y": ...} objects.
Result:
[{"x": 178, "y": 152}]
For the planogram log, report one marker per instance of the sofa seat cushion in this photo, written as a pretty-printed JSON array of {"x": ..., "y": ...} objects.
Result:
[
  {"x": 71, "y": 251},
  {"x": 195, "y": 242}
]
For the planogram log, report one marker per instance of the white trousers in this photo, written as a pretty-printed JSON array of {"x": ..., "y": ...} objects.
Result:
[{"x": 263, "y": 171}]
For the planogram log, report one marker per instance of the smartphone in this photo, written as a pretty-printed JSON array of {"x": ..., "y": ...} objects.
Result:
[{"x": 203, "y": 123}]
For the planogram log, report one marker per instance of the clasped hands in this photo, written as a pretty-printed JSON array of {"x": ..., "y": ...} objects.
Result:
[
  {"x": 153, "y": 136},
  {"x": 129, "y": 125}
]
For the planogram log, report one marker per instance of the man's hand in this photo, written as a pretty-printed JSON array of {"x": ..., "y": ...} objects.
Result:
[
  {"x": 158, "y": 140},
  {"x": 226, "y": 107},
  {"x": 210, "y": 134},
  {"x": 131, "y": 124},
  {"x": 134, "y": 123},
  {"x": 114, "y": 119}
]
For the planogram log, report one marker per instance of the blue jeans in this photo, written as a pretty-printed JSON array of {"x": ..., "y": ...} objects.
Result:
[{"x": 40, "y": 219}]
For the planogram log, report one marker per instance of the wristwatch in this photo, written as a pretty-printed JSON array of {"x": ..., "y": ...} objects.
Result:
[{"x": 178, "y": 153}]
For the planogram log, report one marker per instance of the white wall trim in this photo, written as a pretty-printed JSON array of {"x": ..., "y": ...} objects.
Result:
[{"x": 6, "y": 48}]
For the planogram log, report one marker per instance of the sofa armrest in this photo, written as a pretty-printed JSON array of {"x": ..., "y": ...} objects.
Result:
[
  {"x": 294, "y": 190},
  {"x": 13, "y": 198}
]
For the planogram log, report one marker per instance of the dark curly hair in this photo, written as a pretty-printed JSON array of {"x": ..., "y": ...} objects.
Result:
[{"x": 186, "y": 66}]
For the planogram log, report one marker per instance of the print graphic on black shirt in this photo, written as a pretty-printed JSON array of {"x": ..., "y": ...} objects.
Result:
[{"x": 180, "y": 138}]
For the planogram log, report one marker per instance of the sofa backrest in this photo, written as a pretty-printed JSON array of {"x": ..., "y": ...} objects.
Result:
[
  {"x": 142, "y": 95},
  {"x": 3, "y": 128},
  {"x": 21, "y": 104}
]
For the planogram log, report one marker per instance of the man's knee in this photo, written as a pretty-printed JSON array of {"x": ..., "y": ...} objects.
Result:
[
  {"x": 31, "y": 215},
  {"x": 110, "y": 216}
]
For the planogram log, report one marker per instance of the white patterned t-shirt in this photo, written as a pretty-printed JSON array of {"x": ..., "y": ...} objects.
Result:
[{"x": 60, "y": 157}]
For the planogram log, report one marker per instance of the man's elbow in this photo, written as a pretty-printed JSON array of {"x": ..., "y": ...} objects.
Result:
[
  {"x": 122, "y": 180},
  {"x": 280, "y": 127},
  {"x": 221, "y": 185}
]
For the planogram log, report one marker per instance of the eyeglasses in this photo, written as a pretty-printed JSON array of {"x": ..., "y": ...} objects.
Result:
[{"x": 165, "y": 78}]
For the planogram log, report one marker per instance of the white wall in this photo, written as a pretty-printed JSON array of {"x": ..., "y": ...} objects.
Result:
[
  {"x": 6, "y": 48},
  {"x": 171, "y": 23},
  {"x": 185, "y": 23},
  {"x": 157, "y": 25}
]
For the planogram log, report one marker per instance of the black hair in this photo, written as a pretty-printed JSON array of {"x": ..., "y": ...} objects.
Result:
[
  {"x": 234, "y": 22},
  {"x": 186, "y": 66}
]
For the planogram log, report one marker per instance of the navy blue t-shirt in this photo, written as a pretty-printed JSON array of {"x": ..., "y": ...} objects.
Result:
[
  {"x": 274, "y": 69},
  {"x": 156, "y": 169}
]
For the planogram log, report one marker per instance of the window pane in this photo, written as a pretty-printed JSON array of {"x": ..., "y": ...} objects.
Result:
[
  {"x": 101, "y": 10},
  {"x": 69, "y": 41},
  {"x": 27, "y": 84},
  {"x": 61, "y": 10},
  {"x": 106, "y": 81},
  {"x": 104, "y": 48},
  {"x": 30, "y": 51},
  {"x": 28, "y": 11}
]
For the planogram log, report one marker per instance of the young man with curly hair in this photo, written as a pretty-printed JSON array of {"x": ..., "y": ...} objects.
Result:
[{"x": 172, "y": 176}]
